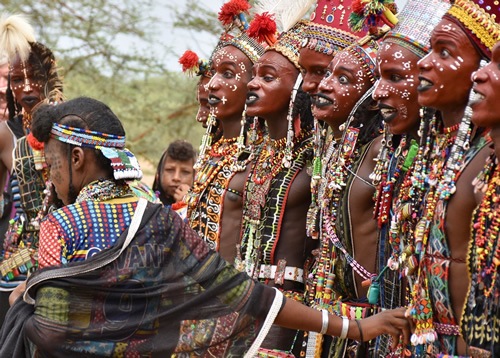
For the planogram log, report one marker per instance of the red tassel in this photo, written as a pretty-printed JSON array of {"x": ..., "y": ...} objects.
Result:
[
  {"x": 358, "y": 7},
  {"x": 263, "y": 27},
  {"x": 188, "y": 60},
  {"x": 34, "y": 143},
  {"x": 231, "y": 9}
]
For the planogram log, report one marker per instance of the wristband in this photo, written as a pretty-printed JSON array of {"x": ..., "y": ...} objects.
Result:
[
  {"x": 361, "y": 339},
  {"x": 324, "y": 321},
  {"x": 345, "y": 327}
]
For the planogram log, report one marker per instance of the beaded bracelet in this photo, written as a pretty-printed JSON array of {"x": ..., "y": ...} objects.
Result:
[
  {"x": 345, "y": 327},
  {"x": 324, "y": 321}
]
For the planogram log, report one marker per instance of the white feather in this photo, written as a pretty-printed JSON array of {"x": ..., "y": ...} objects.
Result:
[
  {"x": 287, "y": 12},
  {"x": 16, "y": 34}
]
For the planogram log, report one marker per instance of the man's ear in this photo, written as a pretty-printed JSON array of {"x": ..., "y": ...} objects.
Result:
[{"x": 78, "y": 158}]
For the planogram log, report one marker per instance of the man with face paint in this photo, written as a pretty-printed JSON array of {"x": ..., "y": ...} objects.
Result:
[
  {"x": 193, "y": 65},
  {"x": 464, "y": 36},
  {"x": 274, "y": 246},
  {"x": 326, "y": 34},
  {"x": 480, "y": 319},
  {"x": 398, "y": 205},
  {"x": 215, "y": 201},
  {"x": 341, "y": 212},
  {"x": 32, "y": 78}
]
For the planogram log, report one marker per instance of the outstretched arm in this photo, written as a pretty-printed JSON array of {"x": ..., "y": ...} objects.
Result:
[{"x": 295, "y": 315}]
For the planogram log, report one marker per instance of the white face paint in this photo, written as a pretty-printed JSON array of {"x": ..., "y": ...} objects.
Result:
[
  {"x": 227, "y": 87},
  {"x": 396, "y": 90}
]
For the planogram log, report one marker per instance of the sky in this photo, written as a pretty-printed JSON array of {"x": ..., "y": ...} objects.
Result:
[
  {"x": 201, "y": 43},
  {"x": 182, "y": 40}
]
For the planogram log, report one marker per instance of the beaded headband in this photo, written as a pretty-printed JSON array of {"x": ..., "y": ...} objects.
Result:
[
  {"x": 416, "y": 22},
  {"x": 289, "y": 43},
  {"x": 250, "y": 47},
  {"x": 366, "y": 52},
  {"x": 479, "y": 20},
  {"x": 123, "y": 162}
]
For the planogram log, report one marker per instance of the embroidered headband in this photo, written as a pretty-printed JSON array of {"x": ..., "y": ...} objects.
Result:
[
  {"x": 250, "y": 47},
  {"x": 289, "y": 43},
  {"x": 416, "y": 22},
  {"x": 366, "y": 52},
  {"x": 479, "y": 19},
  {"x": 123, "y": 162}
]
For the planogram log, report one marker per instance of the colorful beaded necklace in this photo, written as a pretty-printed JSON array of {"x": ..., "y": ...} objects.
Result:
[
  {"x": 208, "y": 168},
  {"x": 480, "y": 316},
  {"x": 335, "y": 173},
  {"x": 446, "y": 165},
  {"x": 103, "y": 190},
  {"x": 486, "y": 230},
  {"x": 268, "y": 174}
]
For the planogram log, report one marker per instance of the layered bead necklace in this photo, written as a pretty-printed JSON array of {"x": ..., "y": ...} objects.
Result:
[
  {"x": 103, "y": 190},
  {"x": 486, "y": 230},
  {"x": 257, "y": 228},
  {"x": 336, "y": 170},
  {"x": 480, "y": 317},
  {"x": 217, "y": 157}
]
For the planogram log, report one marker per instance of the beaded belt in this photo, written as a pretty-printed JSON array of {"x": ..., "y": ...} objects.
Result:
[
  {"x": 353, "y": 310},
  {"x": 447, "y": 329},
  {"x": 273, "y": 353},
  {"x": 288, "y": 273}
]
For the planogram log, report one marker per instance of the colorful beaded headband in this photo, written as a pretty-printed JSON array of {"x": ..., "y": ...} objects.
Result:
[
  {"x": 416, "y": 22},
  {"x": 250, "y": 47},
  {"x": 289, "y": 43},
  {"x": 123, "y": 162},
  {"x": 366, "y": 53},
  {"x": 86, "y": 138},
  {"x": 479, "y": 20},
  {"x": 326, "y": 39}
]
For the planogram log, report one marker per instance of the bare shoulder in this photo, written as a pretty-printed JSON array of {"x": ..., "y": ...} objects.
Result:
[{"x": 6, "y": 137}]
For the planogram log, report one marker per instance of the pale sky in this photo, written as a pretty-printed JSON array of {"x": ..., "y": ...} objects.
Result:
[
  {"x": 202, "y": 44},
  {"x": 181, "y": 40}
]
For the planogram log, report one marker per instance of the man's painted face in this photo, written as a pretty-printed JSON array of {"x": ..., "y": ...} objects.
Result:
[
  {"x": 202, "y": 99},
  {"x": 344, "y": 84},
  {"x": 26, "y": 86},
  {"x": 485, "y": 104},
  {"x": 396, "y": 90},
  {"x": 445, "y": 72},
  {"x": 270, "y": 89},
  {"x": 314, "y": 65},
  {"x": 228, "y": 87}
]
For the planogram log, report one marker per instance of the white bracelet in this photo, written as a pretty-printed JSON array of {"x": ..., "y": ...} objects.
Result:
[
  {"x": 324, "y": 321},
  {"x": 345, "y": 327}
]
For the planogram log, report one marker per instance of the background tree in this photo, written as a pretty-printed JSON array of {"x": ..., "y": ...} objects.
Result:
[{"x": 107, "y": 50}]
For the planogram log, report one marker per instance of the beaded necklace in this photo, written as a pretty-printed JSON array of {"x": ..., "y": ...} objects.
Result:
[
  {"x": 335, "y": 174},
  {"x": 480, "y": 317},
  {"x": 265, "y": 199},
  {"x": 446, "y": 165},
  {"x": 103, "y": 190},
  {"x": 208, "y": 169},
  {"x": 486, "y": 229}
]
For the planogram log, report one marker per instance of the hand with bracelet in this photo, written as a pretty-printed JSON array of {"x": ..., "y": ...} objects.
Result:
[{"x": 393, "y": 322}]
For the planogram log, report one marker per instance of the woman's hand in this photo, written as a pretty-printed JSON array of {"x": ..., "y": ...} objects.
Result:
[
  {"x": 393, "y": 322},
  {"x": 18, "y": 291}
]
